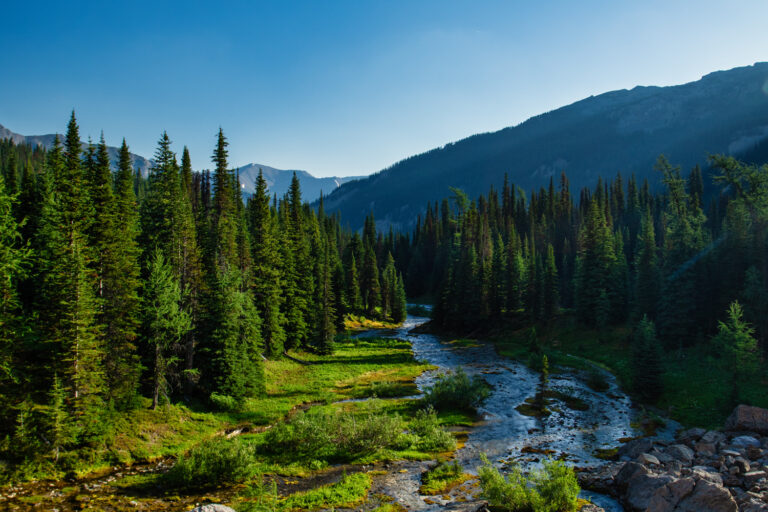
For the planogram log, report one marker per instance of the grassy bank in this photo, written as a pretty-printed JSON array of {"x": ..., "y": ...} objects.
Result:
[
  {"x": 697, "y": 388},
  {"x": 358, "y": 368}
]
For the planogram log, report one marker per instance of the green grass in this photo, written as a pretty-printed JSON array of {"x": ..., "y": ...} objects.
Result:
[
  {"x": 349, "y": 492},
  {"x": 697, "y": 388},
  {"x": 442, "y": 478},
  {"x": 358, "y": 368}
]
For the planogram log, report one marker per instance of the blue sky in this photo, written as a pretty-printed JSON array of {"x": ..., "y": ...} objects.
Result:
[{"x": 344, "y": 87}]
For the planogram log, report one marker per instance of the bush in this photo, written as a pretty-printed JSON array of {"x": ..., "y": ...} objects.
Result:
[
  {"x": 557, "y": 487},
  {"x": 213, "y": 462},
  {"x": 456, "y": 390},
  {"x": 554, "y": 489},
  {"x": 224, "y": 402},
  {"x": 431, "y": 437},
  {"x": 511, "y": 493},
  {"x": 334, "y": 435}
]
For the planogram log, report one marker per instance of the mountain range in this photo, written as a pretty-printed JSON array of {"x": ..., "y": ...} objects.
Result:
[
  {"x": 278, "y": 180},
  {"x": 620, "y": 131}
]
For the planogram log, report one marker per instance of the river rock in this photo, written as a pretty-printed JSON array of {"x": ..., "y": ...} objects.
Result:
[
  {"x": 747, "y": 418},
  {"x": 629, "y": 471},
  {"x": 742, "y": 464},
  {"x": 668, "y": 496},
  {"x": 705, "y": 449},
  {"x": 752, "y": 477},
  {"x": 691, "y": 435},
  {"x": 647, "y": 459},
  {"x": 681, "y": 453},
  {"x": 708, "y": 474},
  {"x": 642, "y": 487},
  {"x": 214, "y": 507},
  {"x": 710, "y": 497},
  {"x": 631, "y": 450},
  {"x": 745, "y": 441},
  {"x": 713, "y": 436}
]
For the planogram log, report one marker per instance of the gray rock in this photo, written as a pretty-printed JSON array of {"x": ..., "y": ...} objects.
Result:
[
  {"x": 730, "y": 453},
  {"x": 691, "y": 435},
  {"x": 745, "y": 441},
  {"x": 591, "y": 507},
  {"x": 710, "y": 497},
  {"x": 632, "y": 449},
  {"x": 713, "y": 437},
  {"x": 629, "y": 471},
  {"x": 708, "y": 474},
  {"x": 742, "y": 464},
  {"x": 706, "y": 449},
  {"x": 752, "y": 477},
  {"x": 212, "y": 508},
  {"x": 647, "y": 459},
  {"x": 747, "y": 418},
  {"x": 642, "y": 487},
  {"x": 681, "y": 453},
  {"x": 666, "y": 498}
]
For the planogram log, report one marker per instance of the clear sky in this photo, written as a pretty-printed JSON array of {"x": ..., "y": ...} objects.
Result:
[{"x": 344, "y": 87}]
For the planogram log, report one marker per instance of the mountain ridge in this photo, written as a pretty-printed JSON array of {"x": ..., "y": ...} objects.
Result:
[{"x": 617, "y": 131}]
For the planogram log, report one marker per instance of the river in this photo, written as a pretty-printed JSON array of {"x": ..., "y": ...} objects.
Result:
[{"x": 504, "y": 434}]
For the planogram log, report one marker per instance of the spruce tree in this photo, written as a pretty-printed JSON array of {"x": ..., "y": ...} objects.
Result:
[
  {"x": 646, "y": 362},
  {"x": 164, "y": 325},
  {"x": 266, "y": 269}
]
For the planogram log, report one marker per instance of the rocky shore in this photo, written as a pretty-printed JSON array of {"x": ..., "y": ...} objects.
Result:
[{"x": 700, "y": 470}]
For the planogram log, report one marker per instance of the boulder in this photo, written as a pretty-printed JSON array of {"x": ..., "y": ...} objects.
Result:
[
  {"x": 710, "y": 497},
  {"x": 642, "y": 487},
  {"x": 747, "y": 418},
  {"x": 681, "y": 453},
  {"x": 629, "y": 471},
  {"x": 666, "y": 498},
  {"x": 214, "y": 507}
]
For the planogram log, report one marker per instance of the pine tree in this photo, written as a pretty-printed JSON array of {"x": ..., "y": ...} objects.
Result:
[
  {"x": 266, "y": 269},
  {"x": 736, "y": 341},
  {"x": 369, "y": 287},
  {"x": 646, "y": 362},
  {"x": 14, "y": 257},
  {"x": 354, "y": 296},
  {"x": 647, "y": 274},
  {"x": 399, "y": 306},
  {"x": 299, "y": 285},
  {"x": 224, "y": 210},
  {"x": 594, "y": 266},
  {"x": 551, "y": 283},
  {"x": 165, "y": 323},
  {"x": 121, "y": 270},
  {"x": 67, "y": 303},
  {"x": 236, "y": 340}
]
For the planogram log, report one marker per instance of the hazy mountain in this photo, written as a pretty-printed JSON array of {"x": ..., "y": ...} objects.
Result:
[
  {"x": 620, "y": 131},
  {"x": 279, "y": 180},
  {"x": 47, "y": 142}
]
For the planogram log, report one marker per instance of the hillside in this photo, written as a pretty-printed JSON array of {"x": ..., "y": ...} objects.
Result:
[{"x": 620, "y": 131}]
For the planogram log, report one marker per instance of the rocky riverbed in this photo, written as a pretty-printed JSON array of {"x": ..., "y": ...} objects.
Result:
[{"x": 699, "y": 470}]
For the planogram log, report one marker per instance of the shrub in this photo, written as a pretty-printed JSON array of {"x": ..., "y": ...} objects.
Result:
[
  {"x": 510, "y": 493},
  {"x": 554, "y": 489},
  {"x": 213, "y": 462},
  {"x": 431, "y": 437},
  {"x": 224, "y": 402},
  {"x": 557, "y": 487},
  {"x": 456, "y": 390},
  {"x": 334, "y": 435}
]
